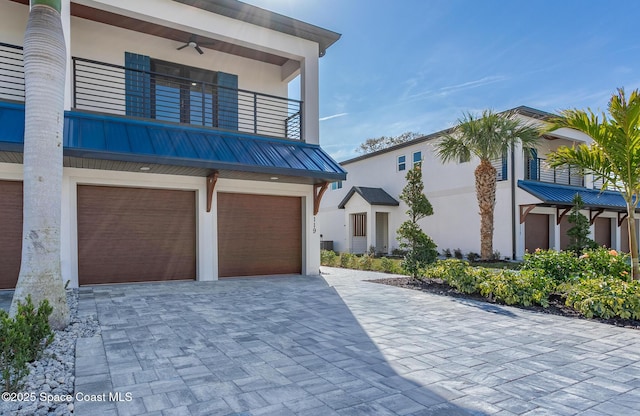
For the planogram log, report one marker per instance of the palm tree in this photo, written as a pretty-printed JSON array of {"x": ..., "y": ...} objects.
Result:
[
  {"x": 614, "y": 154},
  {"x": 487, "y": 137},
  {"x": 45, "y": 58}
]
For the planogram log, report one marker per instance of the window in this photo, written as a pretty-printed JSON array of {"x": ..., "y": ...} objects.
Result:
[
  {"x": 360, "y": 225},
  {"x": 417, "y": 158},
  {"x": 402, "y": 163},
  {"x": 336, "y": 185},
  {"x": 182, "y": 94},
  {"x": 500, "y": 165}
]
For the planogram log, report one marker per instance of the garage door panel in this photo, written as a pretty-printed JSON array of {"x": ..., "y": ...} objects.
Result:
[
  {"x": 259, "y": 235},
  {"x": 10, "y": 233},
  {"x": 135, "y": 234},
  {"x": 536, "y": 232}
]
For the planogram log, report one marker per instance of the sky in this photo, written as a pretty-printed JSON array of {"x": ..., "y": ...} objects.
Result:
[{"x": 418, "y": 65}]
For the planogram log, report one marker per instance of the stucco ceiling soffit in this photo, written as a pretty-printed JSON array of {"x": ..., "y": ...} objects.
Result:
[{"x": 165, "y": 30}]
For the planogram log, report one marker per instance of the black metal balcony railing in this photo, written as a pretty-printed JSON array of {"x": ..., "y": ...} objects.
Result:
[
  {"x": 537, "y": 169},
  {"x": 11, "y": 73},
  {"x": 114, "y": 89}
]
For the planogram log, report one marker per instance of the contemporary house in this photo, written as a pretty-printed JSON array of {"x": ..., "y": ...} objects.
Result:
[
  {"x": 532, "y": 199},
  {"x": 184, "y": 155}
]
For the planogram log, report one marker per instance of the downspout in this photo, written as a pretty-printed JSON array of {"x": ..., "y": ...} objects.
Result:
[{"x": 513, "y": 203}]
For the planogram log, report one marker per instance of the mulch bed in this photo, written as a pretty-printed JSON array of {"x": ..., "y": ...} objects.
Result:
[{"x": 556, "y": 303}]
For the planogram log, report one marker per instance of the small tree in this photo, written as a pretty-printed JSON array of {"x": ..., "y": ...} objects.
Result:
[
  {"x": 579, "y": 233},
  {"x": 379, "y": 143},
  {"x": 421, "y": 250}
]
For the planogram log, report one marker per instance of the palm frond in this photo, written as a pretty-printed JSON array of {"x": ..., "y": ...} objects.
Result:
[
  {"x": 453, "y": 149},
  {"x": 487, "y": 137}
]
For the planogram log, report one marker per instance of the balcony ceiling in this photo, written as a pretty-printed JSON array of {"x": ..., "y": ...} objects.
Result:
[{"x": 180, "y": 36}]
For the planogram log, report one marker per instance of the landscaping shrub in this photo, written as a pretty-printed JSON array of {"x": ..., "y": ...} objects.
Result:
[
  {"x": 22, "y": 339},
  {"x": 603, "y": 262},
  {"x": 458, "y": 274},
  {"x": 365, "y": 262},
  {"x": 328, "y": 258},
  {"x": 447, "y": 269},
  {"x": 348, "y": 260},
  {"x": 558, "y": 265},
  {"x": 471, "y": 256},
  {"x": 526, "y": 287},
  {"x": 469, "y": 282},
  {"x": 388, "y": 265},
  {"x": 564, "y": 266},
  {"x": 605, "y": 298}
]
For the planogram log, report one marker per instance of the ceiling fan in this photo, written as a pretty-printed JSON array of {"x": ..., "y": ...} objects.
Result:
[{"x": 193, "y": 43}]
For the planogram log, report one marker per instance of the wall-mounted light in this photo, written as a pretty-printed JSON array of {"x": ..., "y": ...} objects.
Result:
[
  {"x": 274, "y": 178},
  {"x": 145, "y": 168}
]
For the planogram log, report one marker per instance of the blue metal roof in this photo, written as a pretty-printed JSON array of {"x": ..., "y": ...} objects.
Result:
[
  {"x": 554, "y": 194},
  {"x": 106, "y": 137}
]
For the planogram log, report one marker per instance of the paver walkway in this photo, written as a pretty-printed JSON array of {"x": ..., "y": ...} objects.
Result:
[{"x": 297, "y": 345}]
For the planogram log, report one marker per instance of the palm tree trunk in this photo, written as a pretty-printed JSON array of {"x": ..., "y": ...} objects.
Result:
[
  {"x": 633, "y": 241},
  {"x": 44, "y": 64},
  {"x": 485, "y": 175}
]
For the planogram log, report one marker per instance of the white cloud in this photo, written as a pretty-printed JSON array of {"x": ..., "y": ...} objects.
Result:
[
  {"x": 449, "y": 89},
  {"x": 333, "y": 116}
]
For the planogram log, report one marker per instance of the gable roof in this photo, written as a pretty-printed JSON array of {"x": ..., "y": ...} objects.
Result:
[
  {"x": 562, "y": 195},
  {"x": 374, "y": 196},
  {"x": 522, "y": 110}
]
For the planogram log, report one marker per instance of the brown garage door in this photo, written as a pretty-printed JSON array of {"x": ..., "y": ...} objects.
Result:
[
  {"x": 135, "y": 235},
  {"x": 259, "y": 235},
  {"x": 536, "y": 232},
  {"x": 10, "y": 232},
  {"x": 603, "y": 231}
]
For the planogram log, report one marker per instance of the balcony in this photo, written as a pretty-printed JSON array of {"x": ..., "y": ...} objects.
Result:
[
  {"x": 128, "y": 91},
  {"x": 536, "y": 169}
]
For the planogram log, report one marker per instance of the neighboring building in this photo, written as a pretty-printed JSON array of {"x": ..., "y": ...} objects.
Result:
[
  {"x": 184, "y": 158},
  {"x": 532, "y": 199}
]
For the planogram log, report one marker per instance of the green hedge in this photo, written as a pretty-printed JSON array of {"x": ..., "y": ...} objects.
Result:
[
  {"x": 563, "y": 266},
  {"x": 525, "y": 287},
  {"x": 606, "y": 298}
]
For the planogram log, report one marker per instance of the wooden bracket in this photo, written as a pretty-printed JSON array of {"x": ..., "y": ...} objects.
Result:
[
  {"x": 524, "y": 211},
  {"x": 592, "y": 218},
  {"x": 318, "y": 190},
  {"x": 211, "y": 185},
  {"x": 622, "y": 218},
  {"x": 560, "y": 215}
]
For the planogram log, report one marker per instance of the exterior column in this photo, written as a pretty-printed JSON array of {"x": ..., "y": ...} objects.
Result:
[
  {"x": 616, "y": 241},
  {"x": 309, "y": 93},
  {"x": 65, "y": 15},
  {"x": 311, "y": 248},
  {"x": 554, "y": 232},
  {"x": 371, "y": 224}
]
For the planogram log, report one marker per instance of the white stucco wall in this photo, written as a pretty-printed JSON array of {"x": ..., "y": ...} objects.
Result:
[{"x": 449, "y": 188}]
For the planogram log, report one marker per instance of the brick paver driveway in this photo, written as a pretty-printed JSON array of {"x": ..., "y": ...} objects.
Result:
[{"x": 297, "y": 345}]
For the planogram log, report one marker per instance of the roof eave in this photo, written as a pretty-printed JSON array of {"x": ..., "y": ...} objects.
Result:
[{"x": 260, "y": 17}]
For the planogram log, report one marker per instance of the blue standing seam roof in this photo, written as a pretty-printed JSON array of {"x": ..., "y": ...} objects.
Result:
[
  {"x": 124, "y": 139},
  {"x": 554, "y": 194}
]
